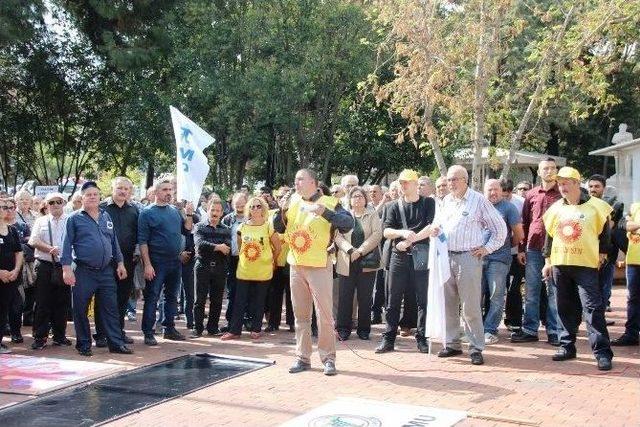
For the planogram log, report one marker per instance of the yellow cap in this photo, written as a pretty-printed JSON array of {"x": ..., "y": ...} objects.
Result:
[
  {"x": 569, "y": 172},
  {"x": 408, "y": 175}
]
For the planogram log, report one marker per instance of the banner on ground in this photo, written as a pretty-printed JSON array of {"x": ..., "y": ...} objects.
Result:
[
  {"x": 374, "y": 413},
  {"x": 192, "y": 164}
]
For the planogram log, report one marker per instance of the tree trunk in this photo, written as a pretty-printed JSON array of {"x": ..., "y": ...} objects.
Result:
[{"x": 543, "y": 75}]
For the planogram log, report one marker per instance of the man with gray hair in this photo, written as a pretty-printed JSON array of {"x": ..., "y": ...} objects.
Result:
[
  {"x": 463, "y": 218},
  {"x": 425, "y": 186}
]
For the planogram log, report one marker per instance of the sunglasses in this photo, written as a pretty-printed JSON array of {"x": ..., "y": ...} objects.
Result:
[
  {"x": 256, "y": 207},
  {"x": 55, "y": 202}
]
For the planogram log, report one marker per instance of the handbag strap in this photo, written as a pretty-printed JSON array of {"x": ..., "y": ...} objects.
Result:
[
  {"x": 402, "y": 216},
  {"x": 53, "y": 257}
]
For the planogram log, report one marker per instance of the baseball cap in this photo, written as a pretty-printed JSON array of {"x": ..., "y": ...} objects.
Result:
[
  {"x": 408, "y": 175},
  {"x": 569, "y": 172},
  {"x": 54, "y": 195},
  {"x": 89, "y": 184}
]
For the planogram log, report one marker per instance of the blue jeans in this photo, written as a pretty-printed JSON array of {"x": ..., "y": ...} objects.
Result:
[
  {"x": 533, "y": 278},
  {"x": 494, "y": 286},
  {"x": 632, "y": 327},
  {"x": 168, "y": 273},
  {"x": 605, "y": 277}
]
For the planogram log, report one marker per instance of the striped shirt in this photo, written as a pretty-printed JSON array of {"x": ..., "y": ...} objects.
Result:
[{"x": 463, "y": 221}]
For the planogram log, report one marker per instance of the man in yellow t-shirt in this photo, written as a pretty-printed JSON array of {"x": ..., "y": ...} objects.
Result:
[
  {"x": 578, "y": 237},
  {"x": 306, "y": 218},
  {"x": 632, "y": 327}
]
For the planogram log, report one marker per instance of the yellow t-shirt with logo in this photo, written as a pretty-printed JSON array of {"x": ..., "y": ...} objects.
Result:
[
  {"x": 281, "y": 261},
  {"x": 633, "y": 251},
  {"x": 308, "y": 234},
  {"x": 575, "y": 230},
  {"x": 255, "y": 260}
]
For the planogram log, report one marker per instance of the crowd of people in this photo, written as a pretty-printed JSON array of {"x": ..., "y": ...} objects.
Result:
[{"x": 340, "y": 259}]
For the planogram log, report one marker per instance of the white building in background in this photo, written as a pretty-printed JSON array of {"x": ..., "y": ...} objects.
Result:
[
  {"x": 493, "y": 158},
  {"x": 626, "y": 152}
]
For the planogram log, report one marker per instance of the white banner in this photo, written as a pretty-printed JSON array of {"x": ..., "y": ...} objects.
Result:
[
  {"x": 439, "y": 274},
  {"x": 43, "y": 190},
  {"x": 373, "y": 413},
  {"x": 192, "y": 164}
]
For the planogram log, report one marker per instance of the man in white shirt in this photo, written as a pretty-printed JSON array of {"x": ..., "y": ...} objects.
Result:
[
  {"x": 464, "y": 217},
  {"x": 53, "y": 297}
]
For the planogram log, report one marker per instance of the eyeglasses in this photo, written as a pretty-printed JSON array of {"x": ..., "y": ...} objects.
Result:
[
  {"x": 8, "y": 208},
  {"x": 256, "y": 207},
  {"x": 55, "y": 202},
  {"x": 522, "y": 189}
]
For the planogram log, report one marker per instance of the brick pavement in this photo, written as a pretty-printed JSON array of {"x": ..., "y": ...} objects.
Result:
[{"x": 517, "y": 383}]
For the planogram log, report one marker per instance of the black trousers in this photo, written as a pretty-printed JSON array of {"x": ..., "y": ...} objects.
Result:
[
  {"x": 15, "y": 310},
  {"x": 250, "y": 294},
  {"x": 379, "y": 300},
  {"x": 210, "y": 281},
  {"x": 28, "y": 308},
  {"x": 362, "y": 283},
  {"x": 231, "y": 287},
  {"x": 579, "y": 296},
  {"x": 403, "y": 280},
  {"x": 513, "y": 305},
  {"x": 124, "y": 289},
  {"x": 52, "y": 304},
  {"x": 278, "y": 288},
  {"x": 8, "y": 292}
]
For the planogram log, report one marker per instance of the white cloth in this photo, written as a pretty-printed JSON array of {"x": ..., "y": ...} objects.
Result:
[
  {"x": 192, "y": 164},
  {"x": 40, "y": 233},
  {"x": 439, "y": 274}
]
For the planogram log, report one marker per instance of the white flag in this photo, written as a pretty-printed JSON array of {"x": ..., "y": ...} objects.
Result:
[
  {"x": 193, "y": 167},
  {"x": 439, "y": 274}
]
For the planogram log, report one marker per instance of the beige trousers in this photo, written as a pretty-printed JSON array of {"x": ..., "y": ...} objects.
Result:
[{"x": 309, "y": 286}]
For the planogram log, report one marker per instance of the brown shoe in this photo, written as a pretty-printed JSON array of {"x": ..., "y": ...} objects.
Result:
[{"x": 229, "y": 336}]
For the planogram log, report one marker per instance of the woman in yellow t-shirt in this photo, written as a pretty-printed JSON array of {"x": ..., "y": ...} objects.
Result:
[{"x": 258, "y": 248}]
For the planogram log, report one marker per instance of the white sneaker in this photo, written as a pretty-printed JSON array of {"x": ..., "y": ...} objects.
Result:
[
  {"x": 4, "y": 349},
  {"x": 490, "y": 339}
]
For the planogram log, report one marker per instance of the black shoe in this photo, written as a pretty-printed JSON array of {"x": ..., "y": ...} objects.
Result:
[
  {"x": 173, "y": 335},
  {"x": 563, "y": 354},
  {"x": 314, "y": 332},
  {"x": 271, "y": 328},
  {"x": 363, "y": 335},
  {"x": 123, "y": 349},
  {"x": 38, "y": 344},
  {"x": 625, "y": 341},
  {"x": 224, "y": 329},
  {"x": 64, "y": 341},
  {"x": 521, "y": 336},
  {"x": 150, "y": 340},
  {"x": 329, "y": 368},
  {"x": 476, "y": 358},
  {"x": 214, "y": 332},
  {"x": 552, "y": 339},
  {"x": 449, "y": 352},
  {"x": 299, "y": 366},
  {"x": 101, "y": 342},
  {"x": 376, "y": 319},
  {"x": 344, "y": 335},
  {"x": 195, "y": 334},
  {"x": 17, "y": 339},
  {"x": 604, "y": 364},
  {"x": 423, "y": 346},
  {"x": 514, "y": 328},
  {"x": 127, "y": 339},
  {"x": 385, "y": 347},
  {"x": 85, "y": 352}
]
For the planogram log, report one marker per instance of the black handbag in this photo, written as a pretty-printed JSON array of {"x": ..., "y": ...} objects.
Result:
[
  {"x": 419, "y": 251},
  {"x": 56, "y": 271},
  {"x": 371, "y": 259}
]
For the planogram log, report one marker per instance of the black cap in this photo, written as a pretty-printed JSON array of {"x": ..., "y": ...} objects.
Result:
[{"x": 87, "y": 185}]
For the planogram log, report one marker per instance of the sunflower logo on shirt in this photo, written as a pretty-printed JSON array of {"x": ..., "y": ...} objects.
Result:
[
  {"x": 569, "y": 230},
  {"x": 251, "y": 250},
  {"x": 634, "y": 238},
  {"x": 300, "y": 241}
]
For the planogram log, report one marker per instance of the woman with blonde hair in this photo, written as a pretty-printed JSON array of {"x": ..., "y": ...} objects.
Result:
[{"x": 258, "y": 248}]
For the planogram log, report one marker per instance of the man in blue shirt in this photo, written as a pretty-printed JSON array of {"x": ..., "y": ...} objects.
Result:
[
  {"x": 160, "y": 230},
  {"x": 496, "y": 265},
  {"x": 90, "y": 243}
]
